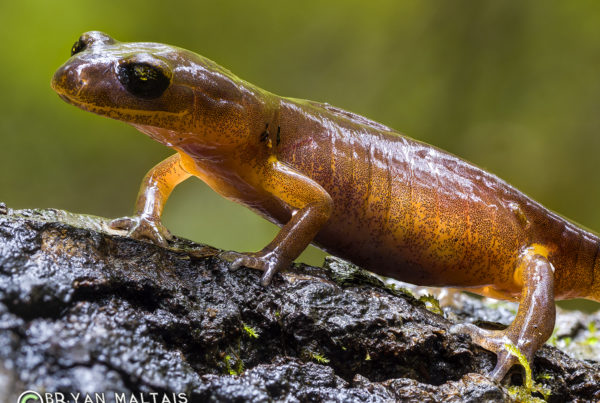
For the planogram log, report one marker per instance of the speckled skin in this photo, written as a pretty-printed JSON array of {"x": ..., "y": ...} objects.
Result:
[
  {"x": 356, "y": 188},
  {"x": 425, "y": 216}
]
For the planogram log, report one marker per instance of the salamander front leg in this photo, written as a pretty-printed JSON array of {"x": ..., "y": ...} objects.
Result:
[
  {"x": 311, "y": 207},
  {"x": 533, "y": 324},
  {"x": 154, "y": 192}
]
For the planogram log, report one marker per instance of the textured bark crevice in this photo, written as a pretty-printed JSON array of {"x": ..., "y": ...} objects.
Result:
[{"x": 85, "y": 310}]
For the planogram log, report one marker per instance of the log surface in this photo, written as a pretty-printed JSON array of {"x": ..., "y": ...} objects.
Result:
[{"x": 85, "y": 310}]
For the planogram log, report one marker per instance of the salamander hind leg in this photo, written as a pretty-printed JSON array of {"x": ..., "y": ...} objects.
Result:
[{"x": 533, "y": 323}]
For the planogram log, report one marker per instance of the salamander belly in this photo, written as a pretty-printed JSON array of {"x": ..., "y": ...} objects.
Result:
[{"x": 424, "y": 244}]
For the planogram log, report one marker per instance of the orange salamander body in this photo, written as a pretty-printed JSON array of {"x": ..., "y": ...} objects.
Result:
[{"x": 354, "y": 187}]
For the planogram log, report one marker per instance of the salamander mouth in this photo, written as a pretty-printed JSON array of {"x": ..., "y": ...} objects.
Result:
[
  {"x": 67, "y": 99},
  {"x": 74, "y": 101}
]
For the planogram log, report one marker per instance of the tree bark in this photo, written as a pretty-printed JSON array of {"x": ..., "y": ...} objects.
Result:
[{"x": 84, "y": 310}]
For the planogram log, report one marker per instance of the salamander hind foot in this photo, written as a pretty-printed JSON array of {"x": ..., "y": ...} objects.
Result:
[
  {"x": 534, "y": 321},
  {"x": 496, "y": 341}
]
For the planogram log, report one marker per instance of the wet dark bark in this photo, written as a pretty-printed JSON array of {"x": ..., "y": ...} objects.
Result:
[{"x": 83, "y": 310}]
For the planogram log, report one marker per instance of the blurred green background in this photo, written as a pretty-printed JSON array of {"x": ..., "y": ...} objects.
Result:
[{"x": 511, "y": 86}]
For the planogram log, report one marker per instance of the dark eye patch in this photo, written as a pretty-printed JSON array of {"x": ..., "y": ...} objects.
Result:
[
  {"x": 143, "y": 80},
  {"x": 78, "y": 47}
]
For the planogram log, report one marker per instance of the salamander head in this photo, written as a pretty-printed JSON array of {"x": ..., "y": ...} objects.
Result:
[{"x": 167, "y": 92}]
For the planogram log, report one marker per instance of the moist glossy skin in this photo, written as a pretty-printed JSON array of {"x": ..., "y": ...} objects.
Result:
[{"x": 354, "y": 187}]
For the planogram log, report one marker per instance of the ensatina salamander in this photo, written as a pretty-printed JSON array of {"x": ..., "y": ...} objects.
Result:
[{"x": 354, "y": 187}]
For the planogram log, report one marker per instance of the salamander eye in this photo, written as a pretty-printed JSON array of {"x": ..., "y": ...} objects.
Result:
[
  {"x": 78, "y": 47},
  {"x": 143, "y": 79}
]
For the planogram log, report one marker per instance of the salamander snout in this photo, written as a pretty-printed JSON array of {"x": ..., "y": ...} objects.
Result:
[
  {"x": 67, "y": 80},
  {"x": 85, "y": 60}
]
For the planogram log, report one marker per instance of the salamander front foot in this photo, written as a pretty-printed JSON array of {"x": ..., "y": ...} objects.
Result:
[
  {"x": 268, "y": 262},
  {"x": 143, "y": 229}
]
